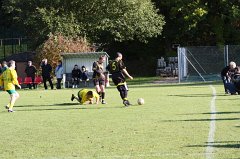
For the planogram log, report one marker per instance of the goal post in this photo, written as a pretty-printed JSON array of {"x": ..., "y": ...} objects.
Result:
[{"x": 200, "y": 63}]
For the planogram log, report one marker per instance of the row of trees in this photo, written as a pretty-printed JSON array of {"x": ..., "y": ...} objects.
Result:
[
  {"x": 143, "y": 29},
  {"x": 102, "y": 21}
]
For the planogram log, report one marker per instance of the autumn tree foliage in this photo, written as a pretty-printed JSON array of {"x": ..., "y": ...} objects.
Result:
[{"x": 57, "y": 44}]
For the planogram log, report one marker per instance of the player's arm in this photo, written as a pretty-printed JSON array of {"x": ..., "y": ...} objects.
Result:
[
  {"x": 82, "y": 101},
  {"x": 14, "y": 77},
  {"x": 108, "y": 67},
  {"x": 90, "y": 100},
  {"x": 35, "y": 69},
  {"x": 94, "y": 68},
  {"x": 126, "y": 73},
  {"x": 99, "y": 72},
  {"x": 95, "y": 98},
  {"x": 1, "y": 82},
  {"x": 50, "y": 68},
  {"x": 25, "y": 70}
]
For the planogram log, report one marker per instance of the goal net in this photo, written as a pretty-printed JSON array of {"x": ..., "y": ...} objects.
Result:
[{"x": 202, "y": 63}]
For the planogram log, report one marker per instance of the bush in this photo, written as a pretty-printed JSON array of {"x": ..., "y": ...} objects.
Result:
[{"x": 57, "y": 44}]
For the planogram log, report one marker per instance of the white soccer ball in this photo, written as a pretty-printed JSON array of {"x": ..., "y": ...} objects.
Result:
[{"x": 140, "y": 101}]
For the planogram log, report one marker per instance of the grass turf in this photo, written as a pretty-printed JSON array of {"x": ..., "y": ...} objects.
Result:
[{"x": 173, "y": 123}]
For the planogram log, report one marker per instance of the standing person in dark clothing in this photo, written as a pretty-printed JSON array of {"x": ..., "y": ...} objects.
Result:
[
  {"x": 118, "y": 70},
  {"x": 76, "y": 75},
  {"x": 226, "y": 74},
  {"x": 46, "y": 73},
  {"x": 99, "y": 77},
  {"x": 236, "y": 81},
  {"x": 31, "y": 70}
]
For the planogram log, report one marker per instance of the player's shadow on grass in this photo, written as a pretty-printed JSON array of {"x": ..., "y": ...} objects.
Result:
[
  {"x": 47, "y": 105},
  {"x": 237, "y": 112},
  {"x": 200, "y": 95},
  {"x": 191, "y": 95},
  {"x": 64, "y": 106},
  {"x": 221, "y": 144},
  {"x": 222, "y": 113},
  {"x": 151, "y": 84},
  {"x": 219, "y": 119},
  {"x": 67, "y": 104}
]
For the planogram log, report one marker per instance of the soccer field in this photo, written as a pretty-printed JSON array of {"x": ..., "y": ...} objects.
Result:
[{"x": 176, "y": 121}]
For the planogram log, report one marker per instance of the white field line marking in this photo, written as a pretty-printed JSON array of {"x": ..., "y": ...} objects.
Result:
[{"x": 209, "y": 149}]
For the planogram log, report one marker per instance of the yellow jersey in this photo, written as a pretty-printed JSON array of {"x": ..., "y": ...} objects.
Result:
[
  {"x": 8, "y": 79},
  {"x": 83, "y": 95}
]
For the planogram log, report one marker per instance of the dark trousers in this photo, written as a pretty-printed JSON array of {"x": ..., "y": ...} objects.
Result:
[
  {"x": 45, "y": 79},
  {"x": 231, "y": 88},
  {"x": 33, "y": 84},
  {"x": 59, "y": 80},
  {"x": 75, "y": 81},
  {"x": 225, "y": 83}
]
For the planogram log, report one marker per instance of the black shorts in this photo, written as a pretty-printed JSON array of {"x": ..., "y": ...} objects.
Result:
[
  {"x": 98, "y": 81},
  {"x": 118, "y": 78}
]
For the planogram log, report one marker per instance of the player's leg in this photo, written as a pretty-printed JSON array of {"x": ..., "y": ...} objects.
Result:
[
  {"x": 76, "y": 97},
  {"x": 13, "y": 97},
  {"x": 59, "y": 83},
  {"x": 50, "y": 82},
  {"x": 123, "y": 93},
  {"x": 29, "y": 86},
  {"x": 102, "y": 90},
  {"x": 97, "y": 87},
  {"x": 45, "y": 82},
  {"x": 73, "y": 82},
  {"x": 122, "y": 88},
  {"x": 225, "y": 81},
  {"x": 33, "y": 82},
  {"x": 77, "y": 83},
  {"x": 231, "y": 88}
]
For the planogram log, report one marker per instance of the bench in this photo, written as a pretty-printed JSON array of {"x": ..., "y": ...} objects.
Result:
[{"x": 67, "y": 81}]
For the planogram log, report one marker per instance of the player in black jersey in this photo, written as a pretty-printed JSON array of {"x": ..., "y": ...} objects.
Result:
[
  {"x": 118, "y": 70},
  {"x": 99, "y": 77}
]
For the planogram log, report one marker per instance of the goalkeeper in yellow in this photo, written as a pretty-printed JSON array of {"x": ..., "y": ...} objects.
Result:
[
  {"x": 8, "y": 80},
  {"x": 86, "y": 96}
]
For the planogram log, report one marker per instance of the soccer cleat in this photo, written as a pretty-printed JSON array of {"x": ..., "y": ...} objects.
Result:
[
  {"x": 103, "y": 102},
  {"x": 227, "y": 92},
  {"x": 10, "y": 111},
  {"x": 73, "y": 97},
  {"x": 126, "y": 103}
]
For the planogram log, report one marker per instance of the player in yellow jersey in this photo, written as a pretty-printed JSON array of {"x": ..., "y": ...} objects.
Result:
[
  {"x": 8, "y": 80},
  {"x": 86, "y": 96}
]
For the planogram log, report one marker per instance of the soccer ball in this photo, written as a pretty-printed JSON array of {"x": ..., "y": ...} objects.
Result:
[{"x": 140, "y": 101}]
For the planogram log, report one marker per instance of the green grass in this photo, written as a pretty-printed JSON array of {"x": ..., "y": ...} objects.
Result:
[
  {"x": 173, "y": 123},
  {"x": 143, "y": 80}
]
